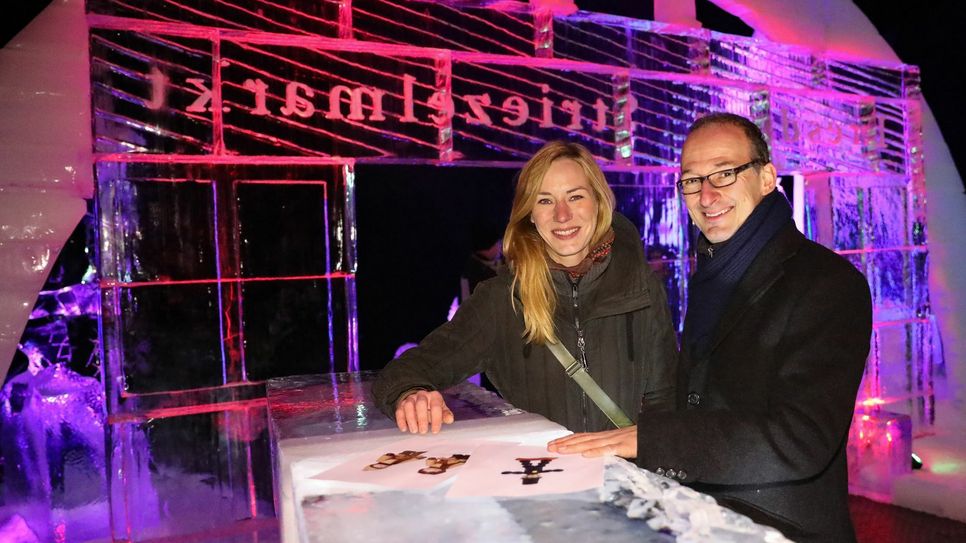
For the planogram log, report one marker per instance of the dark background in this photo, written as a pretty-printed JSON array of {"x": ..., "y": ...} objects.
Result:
[{"x": 417, "y": 227}]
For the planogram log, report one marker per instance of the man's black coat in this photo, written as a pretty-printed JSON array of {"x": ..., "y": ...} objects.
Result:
[{"x": 763, "y": 418}]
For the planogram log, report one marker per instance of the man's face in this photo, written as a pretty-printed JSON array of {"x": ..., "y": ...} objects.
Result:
[{"x": 719, "y": 213}]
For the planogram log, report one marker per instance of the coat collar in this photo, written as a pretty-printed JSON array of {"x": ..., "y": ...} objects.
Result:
[
  {"x": 622, "y": 288},
  {"x": 767, "y": 268}
]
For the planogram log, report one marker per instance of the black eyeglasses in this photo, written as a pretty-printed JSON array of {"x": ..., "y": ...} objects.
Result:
[{"x": 718, "y": 180}]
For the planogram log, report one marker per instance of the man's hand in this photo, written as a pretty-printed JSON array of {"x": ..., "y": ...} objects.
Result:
[
  {"x": 622, "y": 442},
  {"x": 422, "y": 410}
]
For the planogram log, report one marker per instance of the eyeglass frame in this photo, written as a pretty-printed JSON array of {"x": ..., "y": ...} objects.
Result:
[{"x": 702, "y": 178}]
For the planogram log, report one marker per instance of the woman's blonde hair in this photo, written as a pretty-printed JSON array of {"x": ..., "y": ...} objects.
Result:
[{"x": 526, "y": 251}]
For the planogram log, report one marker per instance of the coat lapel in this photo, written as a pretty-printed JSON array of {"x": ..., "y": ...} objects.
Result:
[{"x": 759, "y": 279}]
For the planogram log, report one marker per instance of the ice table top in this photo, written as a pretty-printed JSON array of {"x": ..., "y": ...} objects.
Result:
[{"x": 319, "y": 420}]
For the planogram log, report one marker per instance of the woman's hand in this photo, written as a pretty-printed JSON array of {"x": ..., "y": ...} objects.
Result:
[
  {"x": 622, "y": 442},
  {"x": 422, "y": 410}
]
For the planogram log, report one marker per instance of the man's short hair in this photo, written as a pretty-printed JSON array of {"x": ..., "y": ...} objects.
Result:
[{"x": 759, "y": 147}]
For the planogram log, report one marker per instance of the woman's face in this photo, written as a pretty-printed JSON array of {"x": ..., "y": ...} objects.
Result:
[{"x": 565, "y": 212}]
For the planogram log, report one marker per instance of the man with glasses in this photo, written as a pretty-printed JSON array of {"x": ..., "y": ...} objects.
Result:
[{"x": 774, "y": 346}]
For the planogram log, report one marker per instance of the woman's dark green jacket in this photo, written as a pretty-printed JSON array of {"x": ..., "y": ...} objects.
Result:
[{"x": 630, "y": 345}]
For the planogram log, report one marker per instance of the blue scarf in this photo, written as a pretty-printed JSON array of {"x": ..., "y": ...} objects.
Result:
[{"x": 721, "y": 266}]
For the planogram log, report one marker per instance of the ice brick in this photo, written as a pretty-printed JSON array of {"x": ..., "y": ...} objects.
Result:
[
  {"x": 190, "y": 474},
  {"x": 920, "y": 282},
  {"x": 295, "y": 327},
  {"x": 888, "y": 215},
  {"x": 816, "y": 131},
  {"x": 896, "y": 81},
  {"x": 155, "y": 229},
  {"x": 889, "y": 278},
  {"x": 620, "y": 41},
  {"x": 168, "y": 337},
  {"x": 879, "y": 450},
  {"x": 506, "y": 31},
  {"x": 818, "y": 212},
  {"x": 306, "y": 98},
  {"x": 665, "y": 109},
  {"x": 507, "y": 112},
  {"x": 760, "y": 61},
  {"x": 320, "y": 18},
  {"x": 53, "y": 451},
  {"x": 283, "y": 228},
  {"x": 849, "y": 214},
  {"x": 904, "y": 356},
  {"x": 143, "y": 87}
]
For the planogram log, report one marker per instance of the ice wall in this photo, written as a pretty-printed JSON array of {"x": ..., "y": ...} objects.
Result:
[
  {"x": 45, "y": 149},
  {"x": 839, "y": 27},
  {"x": 212, "y": 122},
  {"x": 209, "y": 121}
]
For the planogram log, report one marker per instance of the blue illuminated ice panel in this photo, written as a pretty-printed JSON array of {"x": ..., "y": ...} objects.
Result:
[
  {"x": 849, "y": 214},
  {"x": 888, "y": 214},
  {"x": 758, "y": 61},
  {"x": 891, "y": 293},
  {"x": 897, "y": 81},
  {"x": 619, "y": 41},
  {"x": 920, "y": 282},
  {"x": 818, "y": 132},
  {"x": 664, "y": 110},
  {"x": 651, "y": 201}
]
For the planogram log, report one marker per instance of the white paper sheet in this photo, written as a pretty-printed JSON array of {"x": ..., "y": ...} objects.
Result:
[
  {"x": 411, "y": 464},
  {"x": 499, "y": 469}
]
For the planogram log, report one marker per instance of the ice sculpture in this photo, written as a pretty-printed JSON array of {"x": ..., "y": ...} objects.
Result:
[
  {"x": 53, "y": 443},
  {"x": 213, "y": 121}
]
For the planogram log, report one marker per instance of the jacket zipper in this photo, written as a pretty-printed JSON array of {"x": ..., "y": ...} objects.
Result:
[
  {"x": 581, "y": 344},
  {"x": 581, "y": 350}
]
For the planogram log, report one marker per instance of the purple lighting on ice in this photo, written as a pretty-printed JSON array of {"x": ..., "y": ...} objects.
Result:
[{"x": 226, "y": 139}]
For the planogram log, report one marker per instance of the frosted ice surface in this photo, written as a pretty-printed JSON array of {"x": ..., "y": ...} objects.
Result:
[{"x": 53, "y": 446}]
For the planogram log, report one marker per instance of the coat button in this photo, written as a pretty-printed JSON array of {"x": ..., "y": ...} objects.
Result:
[
  {"x": 682, "y": 475},
  {"x": 670, "y": 474},
  {"x": 659, "y": 471},
  {"x": 694, "y": 398}
]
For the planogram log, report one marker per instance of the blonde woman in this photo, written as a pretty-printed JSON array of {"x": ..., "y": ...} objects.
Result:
[{"x": 576, "y": 275}]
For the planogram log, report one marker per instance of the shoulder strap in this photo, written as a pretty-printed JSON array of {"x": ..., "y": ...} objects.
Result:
[{"x": 575, "y": 370}]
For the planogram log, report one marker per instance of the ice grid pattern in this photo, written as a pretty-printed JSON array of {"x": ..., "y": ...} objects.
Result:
[{"x": 212, "y": 117}]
